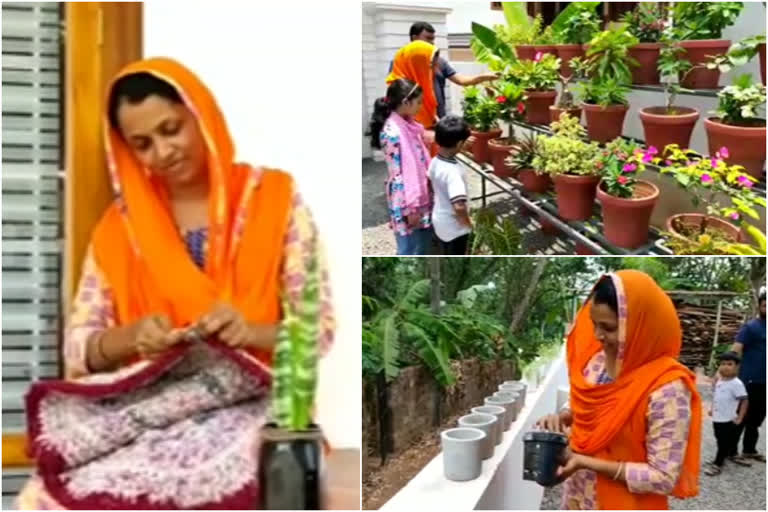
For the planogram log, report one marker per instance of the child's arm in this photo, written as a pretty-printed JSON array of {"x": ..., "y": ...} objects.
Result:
[
  {"x": 743, "y": 406},
  {"x": 462, "y": 212}
]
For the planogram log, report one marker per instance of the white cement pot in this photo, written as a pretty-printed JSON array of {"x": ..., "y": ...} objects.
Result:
[
  {"x": 462, "y": 452},
  {"x": 514, "y": 396},
  {"x": 498, "y": 427},
  {"x": 486, "y": 423},
  {"x": 517, "y": 385},
  {"x": 508, "y": 404}
]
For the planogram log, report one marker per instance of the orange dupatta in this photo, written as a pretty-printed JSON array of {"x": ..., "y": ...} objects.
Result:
[
  {"x": 414, "y": 62},
  {"x": 138, "y": 247},
  {"x": 609, "y": 420}
]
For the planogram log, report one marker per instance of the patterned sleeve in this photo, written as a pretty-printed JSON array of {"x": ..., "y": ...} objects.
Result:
[
  {"x": 300, "y": 244},
  {"x": 92, "y": 311},
  {"x": 669, "y": 418}
]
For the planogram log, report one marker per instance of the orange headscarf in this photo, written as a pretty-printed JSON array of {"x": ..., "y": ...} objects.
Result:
[
  {"x": 609, "y": 420},
  {"x": 138, "y": 247},
  {"x": 414, "y": 62}
]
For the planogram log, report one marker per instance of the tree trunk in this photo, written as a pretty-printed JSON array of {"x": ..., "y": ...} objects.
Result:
[
  {"x": 434, "y": 276},
  {"x": 523, "y": 307}
]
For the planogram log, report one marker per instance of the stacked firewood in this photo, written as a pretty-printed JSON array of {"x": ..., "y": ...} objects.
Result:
[{"x": 699, "y": 325}]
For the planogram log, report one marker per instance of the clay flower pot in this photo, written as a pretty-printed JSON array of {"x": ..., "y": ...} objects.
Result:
[
  {"x": 746, "y": 144},
  {"x": 537, "y": 105},
  {"x": 480, "y": 145},
  {"x": 462, "y": 452},
  {"x": 604, "y": 123},
  {"x": 499, "y": 150},
  {"x": 575, "y": 195},
  {"x": 626, "y": 220},
  {"x": 699, "y": 52},
  {"x": 532, "y": 182},
  {"x": 647, "y": 54},
  {"x": 498, "y": 412},
  {"x": 508, "y": 404},
  {"x": 694, "y": 220},
  {"x": 566, "y": 52},
  {"x": 525, "y": 51},
  {"x": 761, "y": 49},
  {"x": 486, "y": 423},
  {"x": 544, "y": 49},
  {"x": 543, "y": 454},
  {"x": 555, "y": 113},
  {"x": 661, "y": 128}
]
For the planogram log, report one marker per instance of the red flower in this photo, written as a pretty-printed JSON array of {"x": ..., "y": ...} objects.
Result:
[
  {"x": 501, "y": 99},
  {"x": 520, "y": 107},
  {"x": 622, "y": 180}
]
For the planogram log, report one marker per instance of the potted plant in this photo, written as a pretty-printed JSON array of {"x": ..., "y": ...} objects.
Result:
[
  {"x": 509, "y": 96},
  {"x": 521, "y": 35},
  {"x": 543, "y": 39},
  {"x": 565, "y": 102},
  {"x": 708, "y": 180},
  {"x": 521, "y": 162},
  {"x": 291, "y": 453},
  {"x": 605, "y": 95},
  {"x": 482, "y": 114},
  {"x": 646, "y": 22},
  {"x": 627, "y": 202},
  {"x": 741, "y": 53},
  {"x": 576, "y": 29},
  {"x": 538, "y": 77},
  {"x": 669, "y": 124},
  {"x": 698, "y": 26},
  {"x": 737, "y": 125},
  {"x": 571, "y": 163}
]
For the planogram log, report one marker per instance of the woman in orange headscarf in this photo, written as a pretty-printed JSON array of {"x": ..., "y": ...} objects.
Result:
[
  {"x": 417, "y": 62},
  {"x": 193, "y": 239},
  {"x": 634, "y": 419}
]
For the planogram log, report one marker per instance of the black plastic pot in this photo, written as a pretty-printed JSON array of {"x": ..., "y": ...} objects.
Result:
[
  {"x": 543, "y": 454},
  {"x": 290, "y": 469}
]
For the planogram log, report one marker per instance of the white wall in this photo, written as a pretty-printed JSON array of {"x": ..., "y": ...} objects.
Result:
[
  {"x": 284, "y": 75},
  {"x": 464, "y": 13}
]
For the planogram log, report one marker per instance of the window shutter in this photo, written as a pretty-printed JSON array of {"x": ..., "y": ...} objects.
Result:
[{"x": 32, "y": 210}]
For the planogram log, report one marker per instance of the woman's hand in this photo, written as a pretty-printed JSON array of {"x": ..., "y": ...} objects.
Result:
[
  {"x": 556, "y": 422},
  {"x": 224, "y": 321},
  {"x": 155, "y": 334},
  {"x": 573, "y": 462}
]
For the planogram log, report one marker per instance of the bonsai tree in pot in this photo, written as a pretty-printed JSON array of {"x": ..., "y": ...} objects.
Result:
[
  {"x": 737, "y": 124},
  {"x": 698, "y": 26},
  {"x": 521, "y": 163},
  {"x": 509, "y": 96},
  {"x": 566, "y": 102},
  {"x": 573, "y": 29},
  {"x": 646, "y": 22},
  {"x": 572, "y": 164},
  {"x": 290, "y": 460},
  {"x": 711, "y": 182},
  {"x": 669, "y": 124},
  {"x": 605, "y": 94},
  {"x": 482, "y": 114},
  {"x": 627, "y": 202},
  {"x": 538, "y": 77}
]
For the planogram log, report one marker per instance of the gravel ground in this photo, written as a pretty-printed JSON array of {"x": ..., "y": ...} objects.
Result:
[
  {"x": 736, "y": 488},
  {"x": 379, "y": 240}
]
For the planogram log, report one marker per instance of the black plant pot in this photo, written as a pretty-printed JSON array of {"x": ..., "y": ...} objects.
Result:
[
  {"x": 291, "y": 468},
  {"x": 543, "y": 454}
]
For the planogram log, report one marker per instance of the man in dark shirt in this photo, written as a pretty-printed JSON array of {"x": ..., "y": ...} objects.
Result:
[
  {"x": 750, "y": 343},
  {"x": 423, "y": 31}
]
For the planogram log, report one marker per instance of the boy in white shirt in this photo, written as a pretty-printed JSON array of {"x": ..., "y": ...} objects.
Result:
[
  {"x": 450, "y": 213},
  {"x": 729, "y": 406}
]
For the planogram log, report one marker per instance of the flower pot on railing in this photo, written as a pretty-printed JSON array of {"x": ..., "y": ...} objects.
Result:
[
  {"x": 575, "y": 195},
  {"x": 647, "y": 54},
  {"x": 566, "y": 52},
  {"x": 534, "y": 182},
  {"x": 499, "y": 150},
  {"x": 462, "y": 453},
  {"x": 498, "y": 412},
  {"x": 627, "y": 220},
  {"x": 698, "y": 53},
  {"x": 480, "y": 151},
  {"x": 486, "y": 423},
  {"x": 544, "y": 452},
  {"x": 604, "y": 123},
  {"x": 509, "y": 407},
  {"x": 660, "y": 127},
  {"x": 513, "y": 395},
  {"x": 555, "y": 112},
  {"x": 537, "y": 105},
  {"x": 686, "y": 225},
  {"x": 745, "y": 143}
]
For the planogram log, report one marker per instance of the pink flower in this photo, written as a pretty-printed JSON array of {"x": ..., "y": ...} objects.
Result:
[
  {"x": 706, "y": 178},
  {"x": 647, "y": 158},
  {"x": 629, "y": 168},
  {"x": 745, "y": 182},
  {"x": 537, "y": 57},
  {"x": 668, "y": 162},
  {"x": 735, "y": 216},
  {"x": 713, "y": 162},
  {"x": 724, "y": 152},
  {"x": 622, "y": 180},
  {"x": 652, "y": 150}
]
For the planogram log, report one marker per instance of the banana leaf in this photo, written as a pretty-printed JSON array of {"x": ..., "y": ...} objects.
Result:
[{"x": 516, "y": 14}]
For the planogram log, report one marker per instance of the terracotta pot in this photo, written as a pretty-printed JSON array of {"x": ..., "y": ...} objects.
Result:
[
  {"x": 575, "y": 195},
  {"x": 626, "y": 221},
  {"x": 555, "y": 113},
  {"x": 544, "y": 49},
  {"x": 532, "y": 182},
  {"x": 647, "y": 54},
  {"x": 694, "y": 220},
  {"x": 480, "y": 145},
  {"x": 525, "y": 51},
  {"x": 661, "y": 128},
  {"x": 746, "y": 144},
  {"x": 499, "y": 150},
  {"x": 566, "y": 52},
  {"x": 537, "y": 106},
  {"x": 699, "y": 52},
  {"x": 604, "y": 123},
  {"x": 761, "y": 49}
]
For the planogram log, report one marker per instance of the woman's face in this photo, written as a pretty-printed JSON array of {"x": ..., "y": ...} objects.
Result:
[
  {"x": 165, "y": 137},
  {"x": 606, "y": 323},
  {"x": 412, "y": 106}
]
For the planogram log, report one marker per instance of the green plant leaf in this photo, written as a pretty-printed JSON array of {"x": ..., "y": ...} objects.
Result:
[
  {"x": 573, "y": 9},
  {"x": 516, "y": 14}
]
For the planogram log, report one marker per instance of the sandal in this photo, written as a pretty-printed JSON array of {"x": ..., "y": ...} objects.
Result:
[
  {"x": 754, "y": 456},
  {"x": 712, "y": 470},
  {"x": 741, "y": 461}
]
